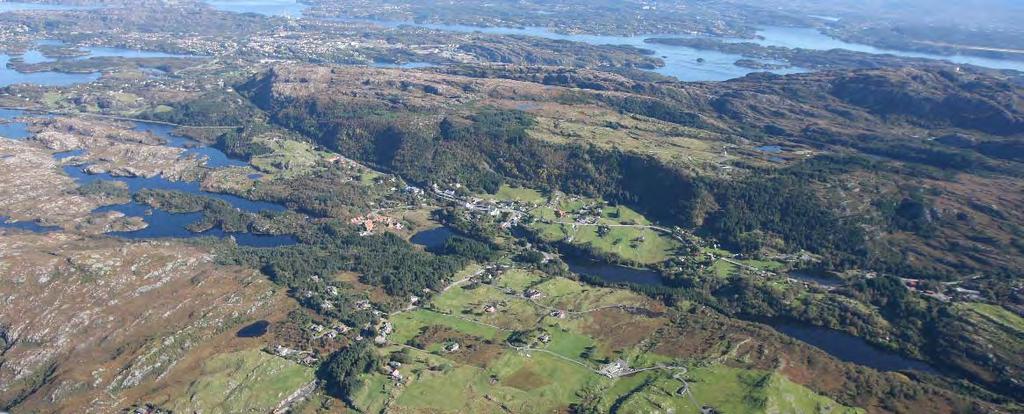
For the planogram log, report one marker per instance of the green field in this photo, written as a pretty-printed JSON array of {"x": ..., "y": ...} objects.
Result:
[
  {"x": 510, "y": 193},
  {"x": 287, "y": 157},
  {"x": 611, "y": 232},
  {"x": 408, "y": 325},
  {"x": 727, "y": 390},
  {"x": 998, "y": 314},
  {"x": 245, "y": 381},
  {"x": 555, "y": 374}
]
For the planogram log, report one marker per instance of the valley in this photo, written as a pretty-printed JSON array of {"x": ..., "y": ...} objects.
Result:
[{"x": 208, "y": 210}]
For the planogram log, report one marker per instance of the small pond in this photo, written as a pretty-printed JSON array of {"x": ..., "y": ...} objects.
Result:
[
  {"x": 31, "y": 226},
  {"x": 254, "y": 330},
  {"x": 432, "y": 238}
]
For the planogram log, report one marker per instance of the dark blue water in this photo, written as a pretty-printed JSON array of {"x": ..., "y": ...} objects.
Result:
[
  {"x": 159, "y": 183},
  {"x": 432, "y": 238},
  {"x": 849, "y": 348},
  {"x": 215, "y": 158},
  {"x": 614, "y": 274},
  {"x": 26, "y": 226},
  {"x": 818, "y": 278},
  {"x": 254, "y": 330},
  {"x": 163, "y": 224}
]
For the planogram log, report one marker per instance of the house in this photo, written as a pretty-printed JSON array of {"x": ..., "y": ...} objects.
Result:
[
  {"x": 490, "y": 309},
  {"x": 533, "y": 294},
  {"x": 558, "y": 313},
  {"x": 451, "y": 347},
  {"x": 614, "y": 369}
]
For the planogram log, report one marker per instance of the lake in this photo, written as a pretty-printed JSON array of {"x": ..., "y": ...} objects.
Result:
[
  {"x": 840, "y": 345},
  {"x": 162, "y": 224},
  {"x": 433, "y": 238},
  {"x": 215, "y": 158},
  {"x": 849, "y": 348},
  {"x": 812, "y": 39},
  {"x": 10, "y": 76},
  {"x": 816, "y": 278},
  {"x": 11, "y": 129},
  {"x": 614, "y": 274},
  {"x": 681, "y": 62},
  {"x": 254, "y": 330},
  {"x": 26, "y": 226},
  {"x": 286, "y": 8}
]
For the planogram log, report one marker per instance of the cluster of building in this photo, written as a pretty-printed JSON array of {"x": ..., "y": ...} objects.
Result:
[
  {"x": 296, "y": 355},
  {"x": 942, "y": 291},
  {"x": 372, "y": 221},
  {"x": 320, "y": 331},
  {"x": 510, "y": 212},
  {"x": 589, "y": 214}
]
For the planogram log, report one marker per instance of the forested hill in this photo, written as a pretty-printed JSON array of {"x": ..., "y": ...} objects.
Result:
[{"x": 876, "y": 162}]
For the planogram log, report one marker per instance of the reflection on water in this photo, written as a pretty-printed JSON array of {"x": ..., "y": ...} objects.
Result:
[
  {"x": 433, "y": 238},
  {"x": 849, "y": 348},
  {"x": 254, "y": 330},
  {"x": 159, "y": 183},
  {"x": 817, "y": 278},
  {"x": 215, "y": 158},
  {"x": 161, "y": 223},
  {"x": 614, "y": 274}
]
